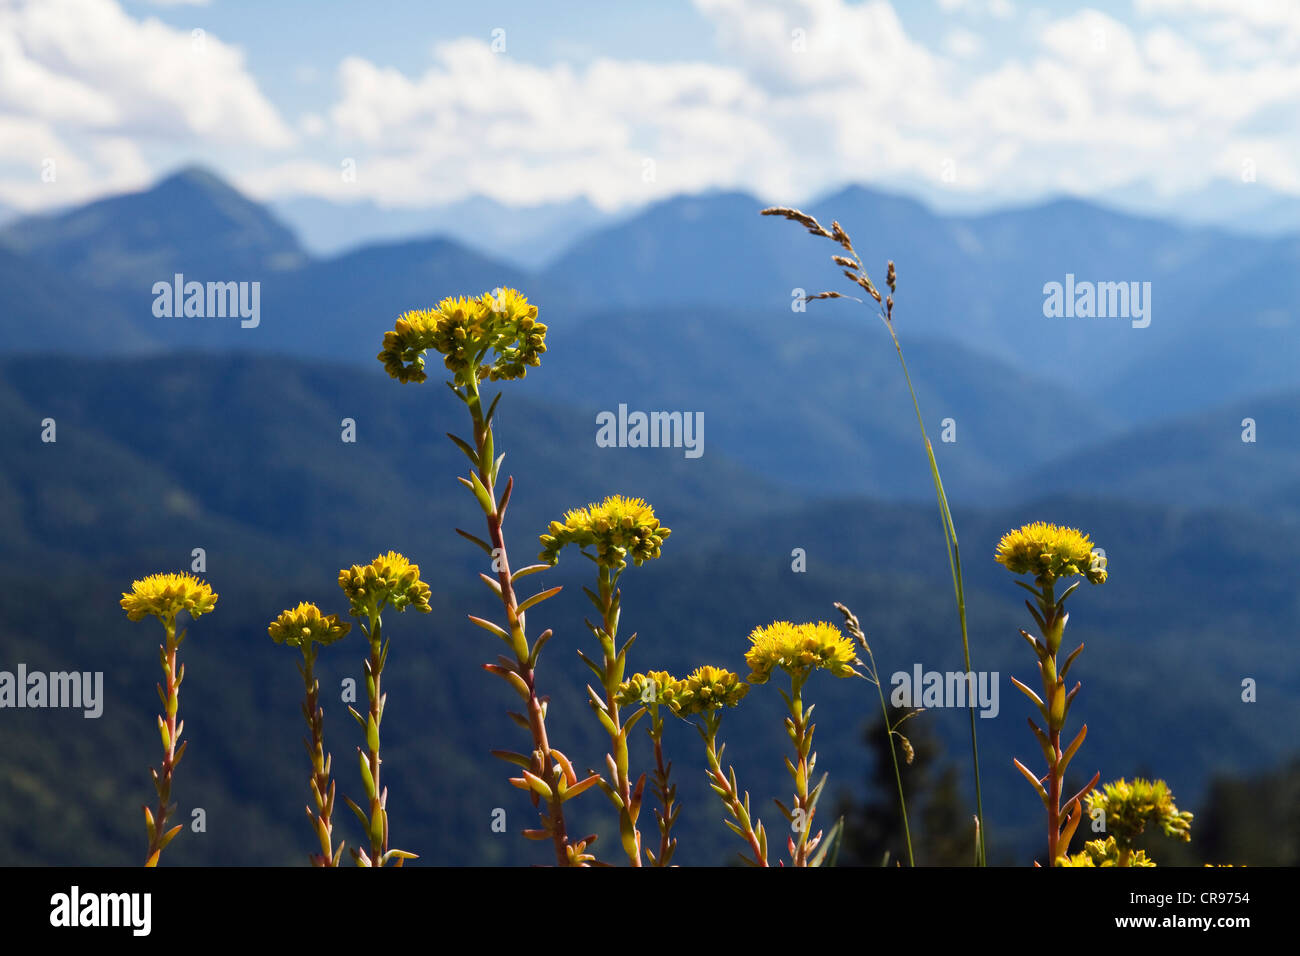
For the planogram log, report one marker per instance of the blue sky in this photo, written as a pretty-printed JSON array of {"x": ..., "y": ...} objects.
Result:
[{"x": 412, "y": 104}]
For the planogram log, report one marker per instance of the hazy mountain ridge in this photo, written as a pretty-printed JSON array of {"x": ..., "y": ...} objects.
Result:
[
  {"x": 1221, "y": 305},
  {"x": 528, "y": 235},
  {"x": 689, "y": 303}
]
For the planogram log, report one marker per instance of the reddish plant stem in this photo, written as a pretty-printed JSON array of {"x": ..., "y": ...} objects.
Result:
[
  {"x": 731, "y": 799},
  {"x": 1054, "y": 803},
  {"x": 803, "y": 745},
  {"x": 320, "y": 783},
  {"x": 665, "y": 792},
  {"x": 553, "y": 817},
  {"x": 618, "y": 740},
  {"x": 163, "y": 776}
]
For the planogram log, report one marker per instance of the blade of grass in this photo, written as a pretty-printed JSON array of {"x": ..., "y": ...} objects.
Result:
[{"x": 958, "y": 586}]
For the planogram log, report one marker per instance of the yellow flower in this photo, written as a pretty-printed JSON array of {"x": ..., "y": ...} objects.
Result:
[
  {"x": 388, "y": 581},
  {"x": 1129, "y": 807},
  {"x": 465, "y": 331},
  {"x": 708, "y": 689},
  {"x": 166, "y": 595},
  {"x": 1104, "y": 853},
  {"x": 306, "y": 624},
  {"x": 1049, "y": 551},
  {"x": 656, "y": 687},
  {"x": 616, "y": 527},
  {"x": 799, "y": 649}
]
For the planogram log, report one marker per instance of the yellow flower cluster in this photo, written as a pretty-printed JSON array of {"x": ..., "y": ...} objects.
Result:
[
  {"x": 1049, "y": 551},
  {"x": 166, "y": 595},
  {"x": 1129, "y": 807},
  {"x": 616, "y": 527},
  {"x": 799, "y": 649},
  {"x": 1104, "y": 853},
  {"x": 465, "y": 330},
  {"x": 708, "y": 689},
  {"x": 306, "y": 624},
  {"x": 656, "y": 687},
  {"x": 388, "y": 581}
]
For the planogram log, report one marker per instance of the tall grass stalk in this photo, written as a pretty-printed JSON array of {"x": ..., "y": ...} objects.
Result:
[
  {"x": 854, "y": 270},
  {"x": 891, "y": 730},
  {"x": 958, "y": 585}
]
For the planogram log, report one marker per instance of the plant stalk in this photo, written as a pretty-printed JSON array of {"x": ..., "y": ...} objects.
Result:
[{"x": 543, "y": 763}]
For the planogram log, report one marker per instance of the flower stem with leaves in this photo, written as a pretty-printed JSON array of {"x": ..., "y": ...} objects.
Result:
[
  {"x": 706, "y": 693},
  {"x": 799, "y": 649},
  {"x": 321, "y": 782},
  {"x": 390, "y": 581},
  {"x": 798, "y": 725},
  {"x": 619, "y": 788},
  {"x": 171, "y": 730},
  {"x": 547, "y": 774},
  {"x": 307, "y": 629},
  {"x": 657, "y": 691},
  {"x": 497, "y": 336},
  {"x": 666, "y": 793},
  {"x": 616, "y": 528},
  {"x": 164, "y": 596},
  {"x": 1051, "y": 553}
]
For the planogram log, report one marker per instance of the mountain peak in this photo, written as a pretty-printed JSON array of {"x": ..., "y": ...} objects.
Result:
[
  {"x": 197, "y": 183},
  {"x": 194, "y": 175},
  {"x": 860, "y": 198},
  {"x": 191, "y": 220}
]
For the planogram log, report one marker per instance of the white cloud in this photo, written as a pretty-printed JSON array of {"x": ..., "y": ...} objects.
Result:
[
  {"x": 63, "y": 171},
  {"x": 806, "y": 94},
  {"x": 1262, "y": 14},
  {"x": 477, "y": 121},
  {"x": 1246, "y": 30},
  {"x": 87, "y": 73},
  {"x": 801, "y": 96},
  {"x": 1001, "y": 9},
  {"x": 311, "y": 124},
  {"x": 962, "y": 44},
  {"x": 132, "y": 76}
]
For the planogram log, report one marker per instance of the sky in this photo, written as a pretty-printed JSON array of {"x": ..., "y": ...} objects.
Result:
[{"x": 413, "y": 104}]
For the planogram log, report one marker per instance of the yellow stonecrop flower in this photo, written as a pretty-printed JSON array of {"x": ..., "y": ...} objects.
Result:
[
  {"x": 656, "y": 687},
  {"x": 798, "y": 649},
  {"x": 166, "y": 595},
  {"x": 305, "y": 625},
  {"x": 616, "y": 528},
  {"x": 389, "y": 581},
  {"x": 1104, "y": 853},
  {"x": 707, "y": 689},
  {"x": 1050, "y": 551},
  {"x": 466, "y": 331},
  {"x": 1129, "y": 807}
]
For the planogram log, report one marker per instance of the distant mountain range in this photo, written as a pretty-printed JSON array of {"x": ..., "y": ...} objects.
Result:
[
  {"x": 690, "y": 303},
  {"x": 1238, "y": 205},
  {"x": 528, "y": 235}
]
